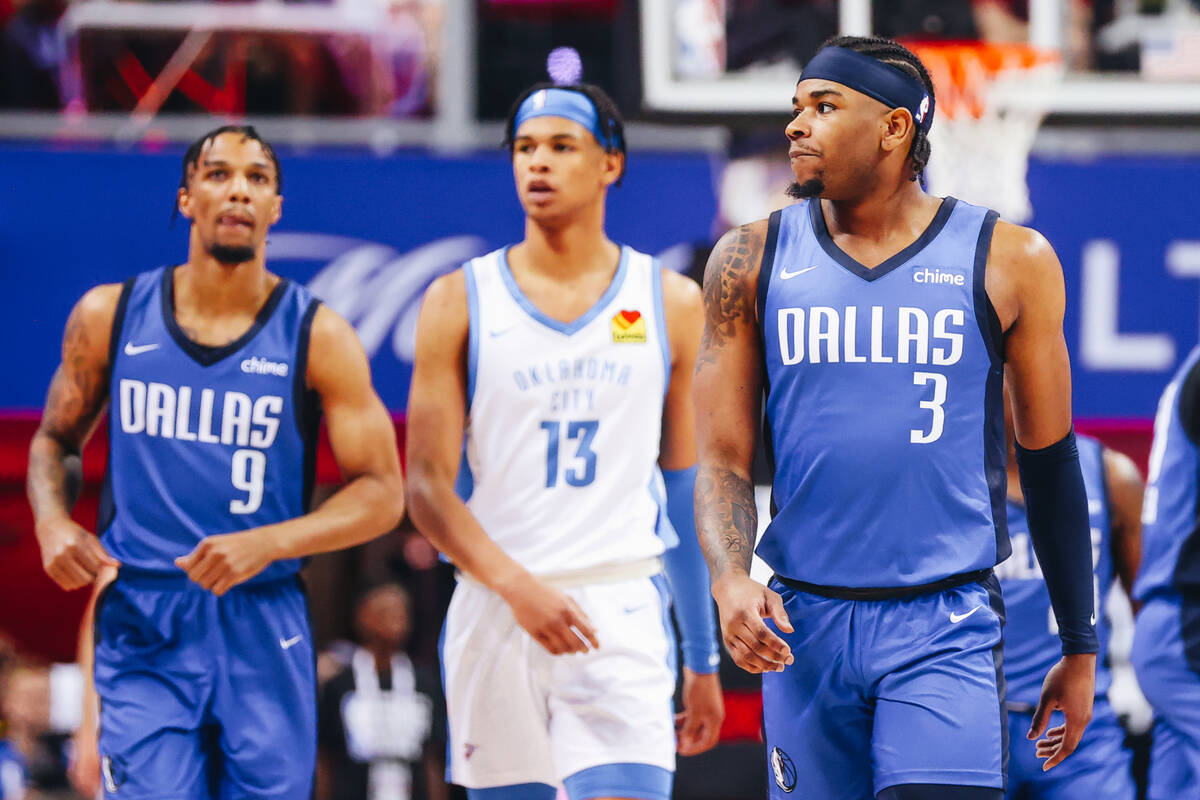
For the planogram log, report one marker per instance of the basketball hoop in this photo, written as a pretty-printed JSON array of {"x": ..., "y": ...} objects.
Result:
[{"x": 991, "y": 98}]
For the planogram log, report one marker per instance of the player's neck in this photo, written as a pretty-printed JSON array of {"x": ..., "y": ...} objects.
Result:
[
  {"x": 566, "y": 250},
  {"x": 204, "y": 282},
  {"x": 881, "y": 212}
]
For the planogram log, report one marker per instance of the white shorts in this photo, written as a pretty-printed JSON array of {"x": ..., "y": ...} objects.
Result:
[{"x": 520, "y": 715}]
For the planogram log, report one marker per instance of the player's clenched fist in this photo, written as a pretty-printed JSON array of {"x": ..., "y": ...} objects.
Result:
[
  {"x": 71, "y": 555},
  {"x": 221, "y": 562},
  {"x": 744, "y": 604},
  {"x": 552, "y": 618}
]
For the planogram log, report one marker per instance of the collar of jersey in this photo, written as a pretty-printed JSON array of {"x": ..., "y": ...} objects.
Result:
[
  {"x": 839, "y": 255},
  {"x": 565, "y": 328}
]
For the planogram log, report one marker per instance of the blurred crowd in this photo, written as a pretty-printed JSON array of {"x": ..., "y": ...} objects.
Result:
[
  {"x": 384, "y": 57},
  {"x": 380, "y": 60}
]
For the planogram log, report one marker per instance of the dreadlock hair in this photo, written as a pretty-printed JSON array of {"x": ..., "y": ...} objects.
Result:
[
  {"x": 895, "y": 55},
  {"x": 191, "y": 158},
  {"x": 606, "y": 111}
]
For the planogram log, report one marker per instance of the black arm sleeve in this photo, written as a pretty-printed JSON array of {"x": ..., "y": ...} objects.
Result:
[{"x": 1057, "y": 510}]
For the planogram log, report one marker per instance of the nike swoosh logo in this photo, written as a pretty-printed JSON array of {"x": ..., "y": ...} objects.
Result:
[
  {"x": 784, "y": 274},
  {"x": 288, "y": 643},
  {"x": 957, "y": 618},
  {"x": 132, "y": 349}
]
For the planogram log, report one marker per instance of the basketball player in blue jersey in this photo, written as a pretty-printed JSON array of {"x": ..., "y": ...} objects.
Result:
[
  {"x": 879, "y": 321},
  {"x": 215, "y": 373},
  {"x": 1166, "y": 641},
  {"x": 1100, "y": 767},
  {"x": 566, "y": 361}
]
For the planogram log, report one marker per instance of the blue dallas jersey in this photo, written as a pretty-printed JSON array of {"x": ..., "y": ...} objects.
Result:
[
  {"x": 1170, "y": 545},
  {"x": 1031, "y": 643},
  {"x": 884, "y": 411},
  {"x": 205, "y": 440}
]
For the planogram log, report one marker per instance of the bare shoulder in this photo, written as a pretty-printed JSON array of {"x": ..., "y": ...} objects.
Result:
[
  {"x": 739, "y": 252},
  {"x": 1023, "y": 272},
  {"x": 1120, "y": 470},
  {"x": 681, "y": 294},
  {"x": 89, "y": 327},
  {"x": 1022, "y": 253}
]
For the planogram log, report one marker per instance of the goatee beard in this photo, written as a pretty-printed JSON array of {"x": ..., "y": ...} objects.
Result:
[
  {"x": 810, "y": 188},
  {"x": 232, "y": 254}
]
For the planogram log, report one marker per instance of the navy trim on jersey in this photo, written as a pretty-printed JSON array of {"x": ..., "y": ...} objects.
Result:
[
  {"x": 995, "y": 443},
  {"x": 566, "y": 328},
  {"x": 472, "y": 330},
  {"x": 765, "y": 270},
  {"x": 996, "y": 602},
  {"x": 767, "y": 267},
  {"x": 660, "y": 312},
  {"x": 204, "y": 354},
  {"x": 108, "y": 510},
  {"x": 854, "y": 266},
  {"x": 993, "y": 335},
  {"x": 306, "y": 404}
]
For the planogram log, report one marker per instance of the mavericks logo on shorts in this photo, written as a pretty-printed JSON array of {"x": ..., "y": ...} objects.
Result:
[
  {"x": 784, "y": 769},
  {"x": 628, "y": 326}
]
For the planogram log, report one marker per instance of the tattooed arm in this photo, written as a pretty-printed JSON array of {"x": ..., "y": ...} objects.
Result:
[
  {"x": 77, "y": 396},
  {"x": 727, "y": 392}
]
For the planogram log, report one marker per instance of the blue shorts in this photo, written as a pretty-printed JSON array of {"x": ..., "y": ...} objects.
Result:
[
  {"x": 204, "y": 697},
  {"x": 1099, "y": 767},
  {"x": 1169, "y": 675},
  {"x": 887, "y": 692}
]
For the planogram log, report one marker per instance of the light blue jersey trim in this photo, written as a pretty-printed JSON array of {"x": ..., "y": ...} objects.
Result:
[
  {"x": 472, "y": 330},
  {"x": 566, "y": 328},
  {"x": 663, "y": 528},
  {"x": 660, "y": 313},
  {"x": 641, "y": 781}
]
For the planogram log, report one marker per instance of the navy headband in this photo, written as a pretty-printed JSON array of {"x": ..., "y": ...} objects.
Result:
[
  {"x": 565, "y": 103},
  {"x": 883, "y": 82}
]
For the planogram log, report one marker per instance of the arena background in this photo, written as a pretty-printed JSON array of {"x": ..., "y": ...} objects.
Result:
[{"x": 386, "y": 119}]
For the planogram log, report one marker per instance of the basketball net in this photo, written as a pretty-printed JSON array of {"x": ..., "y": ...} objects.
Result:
[{"x": 991, "y": 98}]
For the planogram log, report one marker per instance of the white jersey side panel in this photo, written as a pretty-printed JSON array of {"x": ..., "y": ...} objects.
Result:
[{"x": 565, "y": 419}]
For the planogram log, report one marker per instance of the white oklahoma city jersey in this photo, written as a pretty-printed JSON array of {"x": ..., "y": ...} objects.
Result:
[{"x": 565, "y": 419}]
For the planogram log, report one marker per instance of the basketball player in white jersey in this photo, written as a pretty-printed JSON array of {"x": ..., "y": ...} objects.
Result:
[{"x": 566, "y": 361}]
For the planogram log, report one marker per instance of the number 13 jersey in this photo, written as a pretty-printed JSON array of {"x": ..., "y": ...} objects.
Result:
[
  {"x": 884, "y": 415},
  {"x": 565, "y": 418},
  {"x": 205, "y": 440}
]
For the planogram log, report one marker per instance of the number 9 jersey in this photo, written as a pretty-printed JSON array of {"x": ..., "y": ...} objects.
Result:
[
  {"x": 884, "y": 413},
  {"x": 565, "y": 419},
  {"x": 205, "y": 440}
]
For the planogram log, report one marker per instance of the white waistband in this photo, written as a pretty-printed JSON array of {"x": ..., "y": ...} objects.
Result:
[{"x": 605, "y": 573}]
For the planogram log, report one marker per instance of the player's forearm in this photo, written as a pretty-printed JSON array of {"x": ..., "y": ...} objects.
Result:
[
  {"x": 366, "y": 507},
  {"x": 54, "y": 477},
  {"x": 726, "y": 519},
  {"x": 444, "y": 519}
]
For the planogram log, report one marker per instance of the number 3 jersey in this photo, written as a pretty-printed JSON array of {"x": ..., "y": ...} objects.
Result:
[
  {"x": 884, "y": 413},
  {"x": 565, "y": 419},
  {"x": 205, "y": 440}
]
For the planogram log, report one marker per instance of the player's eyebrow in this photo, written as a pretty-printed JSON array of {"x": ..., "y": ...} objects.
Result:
[
  {"x": 220, "y": 162},
  {"x": 817, "y": 94}
]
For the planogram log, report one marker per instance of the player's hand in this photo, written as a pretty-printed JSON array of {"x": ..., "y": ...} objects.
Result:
[
  {"x": 699, "y": 724},
  {"x": 71, "y": 555},
  {"x": 1069, "y": 687},
  {"x": 221, "y": 562},
  {"x": 84, "y": 771},
  {"x": 743, "y": 604},
  {"x": 553, "y": 619}
]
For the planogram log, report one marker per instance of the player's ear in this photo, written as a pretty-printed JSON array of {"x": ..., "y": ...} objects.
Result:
[
  {"x": 614, "y": 164},
  {"x": 184, "y": 200},
  {"x": 898, "y": 129}
]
